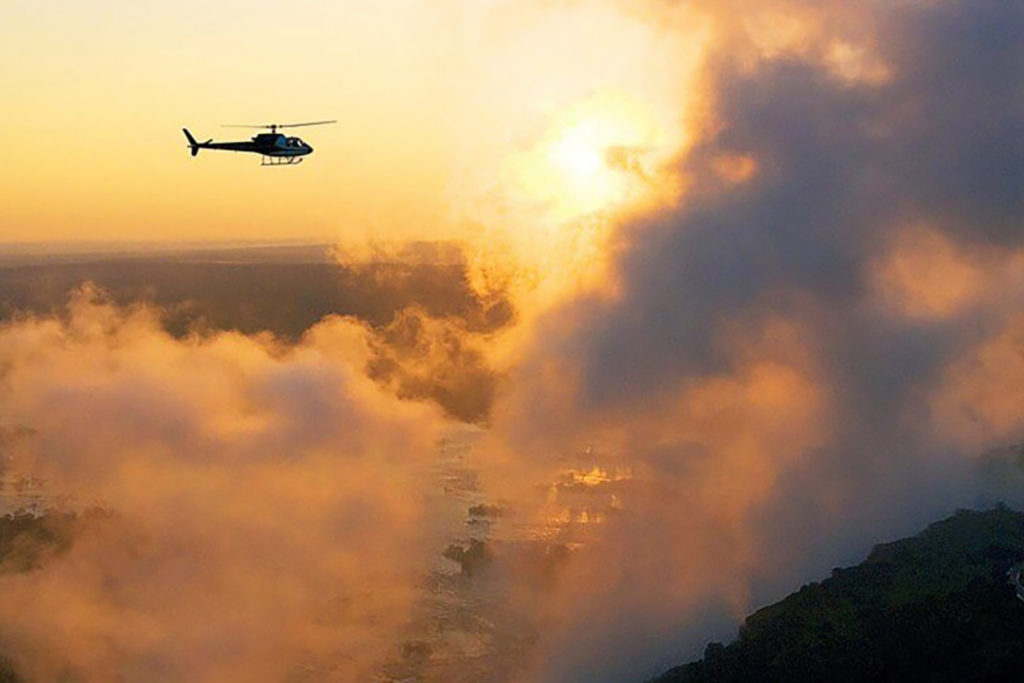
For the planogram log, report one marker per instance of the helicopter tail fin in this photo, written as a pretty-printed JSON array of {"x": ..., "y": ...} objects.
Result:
[{"x": 191, "y": 141}]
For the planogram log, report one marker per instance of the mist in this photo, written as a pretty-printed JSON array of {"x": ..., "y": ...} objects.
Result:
[
  {"x": 264, "y": 516},
  {"x": 805, "y": 354},
  {"x": 741, "y": 298}
]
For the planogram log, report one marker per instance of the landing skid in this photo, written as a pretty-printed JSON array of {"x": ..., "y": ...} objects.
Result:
[{"x": 279, "y": 161}]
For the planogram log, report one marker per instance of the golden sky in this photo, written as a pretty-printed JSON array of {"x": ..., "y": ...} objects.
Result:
[
  {"x": 448, "y": 112},
  {"x": 765, "y": 262}
]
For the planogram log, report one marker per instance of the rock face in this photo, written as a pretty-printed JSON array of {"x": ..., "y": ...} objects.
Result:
[
  {"x": 473, "y": 558},
  {"x": 935, "y": 607}
]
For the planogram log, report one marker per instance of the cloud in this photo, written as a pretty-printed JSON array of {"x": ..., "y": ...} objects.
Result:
[
  {"x": 424, "y": 357},
  {"x": 980, "y": 394},
  {"x": 266, "y": 520},
  {"x": 793, "y": 349},
  {"x": 788, "y": 359}
]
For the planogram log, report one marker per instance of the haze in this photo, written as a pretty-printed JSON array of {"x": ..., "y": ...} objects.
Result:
[{"x": 590, "y": 327}]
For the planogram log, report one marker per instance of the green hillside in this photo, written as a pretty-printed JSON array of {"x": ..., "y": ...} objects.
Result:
[{"x": 935, "y": 607}]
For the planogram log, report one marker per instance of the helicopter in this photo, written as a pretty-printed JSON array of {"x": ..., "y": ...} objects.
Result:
[{"x": 275, "y": 149}]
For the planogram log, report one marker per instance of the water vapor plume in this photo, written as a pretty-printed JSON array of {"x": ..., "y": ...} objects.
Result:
[
  {"x": 803, "y": 354},
  {"x": 265, "y": 520},
  {"x": 739, "y": 296}
]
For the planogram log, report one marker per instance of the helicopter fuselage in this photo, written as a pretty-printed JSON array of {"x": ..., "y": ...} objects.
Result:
[
  {"x": 270, "y": 146},
  {"x": 267, "y": 144}
]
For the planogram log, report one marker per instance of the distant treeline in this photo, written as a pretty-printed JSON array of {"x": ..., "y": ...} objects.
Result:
[
  {"x": 283, "y": 298},
  {"x": 287, "y": 298}
]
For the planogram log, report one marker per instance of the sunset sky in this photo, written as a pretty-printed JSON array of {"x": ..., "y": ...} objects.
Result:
[
  {"x": 735, "y": 293},
  {"x": 438, "y": 104}
]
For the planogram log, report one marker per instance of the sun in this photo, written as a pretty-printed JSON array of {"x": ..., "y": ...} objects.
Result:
[
  {"x": 569, "y": 183},
  {"x": 578, "y": 153},
  {"x": 574, "y": 162},
  {"x": 591, "y": 158}
]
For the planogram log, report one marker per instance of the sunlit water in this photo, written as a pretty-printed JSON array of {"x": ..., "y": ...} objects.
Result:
[{"x": 481, "y": 619}]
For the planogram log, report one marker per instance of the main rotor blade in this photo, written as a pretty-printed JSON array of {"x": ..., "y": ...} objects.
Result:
[
  {"x": 309, "y": 123},
  {"x": 276, "y": 125}
]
